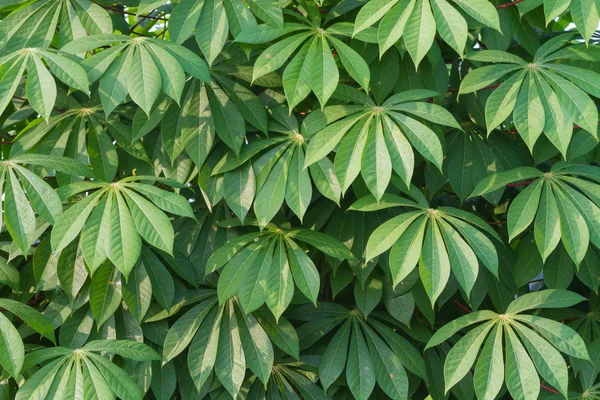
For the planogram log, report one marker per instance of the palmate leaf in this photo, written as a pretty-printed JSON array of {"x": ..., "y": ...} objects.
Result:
[
  {"x": 358, "y": 344},
  {"x": 40, "y": 85},
  {"x": 222, "y": 338},
  {"x": 124, "y": 217},
  {"x": 85, "y": 371},
  {"x": 547, "y": 360},
  {"x": 228, "y": 198},
  {"x": 35, "y": 24},
  {"x": 439, "y": 240},
  {"x": 278, "y": 174},
  {"x": 254, "y": 261},
  {"x": 313, "y": 68},
  {"x": 561, "y": 212},
  {"x": 548, "y": 100},
  {"x": 381, "y": 134},
  {"x": 417, "y": 21},
  {"x": 149, "y": 62}
]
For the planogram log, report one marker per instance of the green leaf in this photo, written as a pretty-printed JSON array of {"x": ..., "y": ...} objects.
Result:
[
  {"x": 485, "y": 76},
  {"x": 422, "y": 138},
  {"x": 553, "y": 8},
  {"x": 18, "y": 214},
  {"x": 523, "y": 209},
  {"x": 125, "y": 348},
  {"x": 548, "y": 361},
  {"x": 296, "y": 76},
  {"x": 67, "y": 71},
  {"x": 585, "y": 15},
  {"x": 367, "y": 296},
  {"x": 462, "y": 259},
  {"x": 529, "y": 115},
  {"x": 183, "y": 330},
  {"x": 137, "y": 292},
  {"x": 489, "y": 374},
  {"x": 419, "y": 32},
  {"x": 271, "y": 195},
  {"x": 228, "y": 121},
  {"x": 501, "y": 102},
  {"x": 406, "y": 252},
  {"x": 104, "y": 296},
  {"x": 183, "y": 19},
  {"x": 70, "y": 222},
  {"x": 324, "y": 75},
  {"x": 481, "y": 10},
  {"x": 268, "y": 11},
  {"x": 239, "y": 189},
  {"x": 558, "y": 127},
  {"x": 144, "y": 81},
  {"x": 280, "y": 284},
  {"x": 304, "y": 271},
  {"x": 171, "y": 73},
  {"x": 9, "y": 274},
  {"x": 281, "y": 332},
  {"x": 151, "y": 223},
  {"x": 574, "y": 231},
  {"x": 393, "y": 23},
  {"x": 12, "y": 352},
  {"x": 119, "y": 381},
  {"x": 124, "y": 244},
  {"x": 547, "y": 226},
  {"x": 276, "y": 55},
  {"x": 61, "y": 164},
  {"x": 230, "y": 363},
  {"x": 162, "y": 283},
  {"x": 326, "y": 139},
  {"x": 355, "y": 65},
  {"x": 559, "y": 335},
  {"x": 212, "y": 29},
  {"x": 347, "y": 163},
  {"x": 40, "y": 87},
  {"x": 234, "y": 272},
  {"x": 434, "y": 264},
  {"x": 452, "y": 27},
  {"x": 388, "y": 233},
  {"x": 253, "y": 289},
  {"x": 501, "y": 179},
  {"x": 103, "y": 156},
  {"x": 370, "y": 13},
  {"x": 462, "y": 356},
  {"x": 360, "y": 371},
  {"x": 390, "y": 373},
  {"x": 376, "y": 165},
  {"x": 203, "y": 350},
  {"x": 448, "y": 330},
  {"x": 549, "y": 298},
  {"x": 333, "y": 360},
  {"x": 258, "y": 350},
  {"x": 521, "y": 377}
]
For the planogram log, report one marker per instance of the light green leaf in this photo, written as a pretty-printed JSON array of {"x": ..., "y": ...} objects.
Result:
[
  {"x": 434, "y": 264},
  {"x": 451, "y": 26},
  {"x": 547, "y": 225},
  {"x": 523, "y": 209},
  {"x": 143, "y": 81},
  {"x": 462, "y": 356},
  {"x": 183, "y": 330},
  {"x": 521, "y": 377},
  {"x": 419, "y": 32}
]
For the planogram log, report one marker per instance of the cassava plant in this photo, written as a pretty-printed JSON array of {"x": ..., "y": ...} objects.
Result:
[{"x": 299, "y": 199}]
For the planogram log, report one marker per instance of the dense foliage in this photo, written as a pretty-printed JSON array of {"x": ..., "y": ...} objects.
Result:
[{"x": 299, "y": 199}]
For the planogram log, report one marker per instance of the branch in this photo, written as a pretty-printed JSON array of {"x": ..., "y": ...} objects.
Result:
[
  {"x": 512, "y": 3},
  {"x": 118, "y": 10}
]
